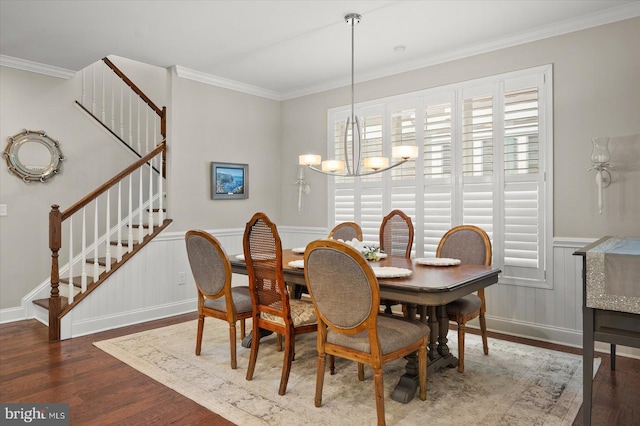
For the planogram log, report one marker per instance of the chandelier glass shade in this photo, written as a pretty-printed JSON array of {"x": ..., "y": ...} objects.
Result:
[{"x": 351, "y": 166}]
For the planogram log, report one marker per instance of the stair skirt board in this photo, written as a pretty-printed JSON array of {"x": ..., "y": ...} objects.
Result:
[{"x": 71, "y": 326}]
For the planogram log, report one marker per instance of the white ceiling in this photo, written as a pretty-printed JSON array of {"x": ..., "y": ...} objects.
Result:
[{"x": 285, "y": 48}]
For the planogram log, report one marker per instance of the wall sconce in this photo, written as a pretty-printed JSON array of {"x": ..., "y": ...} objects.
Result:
[
  {"x": 600, "y": 157},
  {"x": 303, "y": 186}
]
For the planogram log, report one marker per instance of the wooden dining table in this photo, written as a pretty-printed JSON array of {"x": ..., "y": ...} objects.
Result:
[{"x": 426, "y": 291}]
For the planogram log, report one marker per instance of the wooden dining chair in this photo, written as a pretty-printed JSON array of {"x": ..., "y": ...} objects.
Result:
[
  {"x": 345, "y": 293},
  {"x": 396, "y": 239},
  {"x": 273, "y": 309},
  {"x": 216, "y": 297},
  {"x": 470, "y": 244},
  {"x": 346, "y": 231}
]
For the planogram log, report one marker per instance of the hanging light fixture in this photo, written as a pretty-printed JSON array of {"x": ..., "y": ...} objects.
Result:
[{"x": 373, "y": 164}]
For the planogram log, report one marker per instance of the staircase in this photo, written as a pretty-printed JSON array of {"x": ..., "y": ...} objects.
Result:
[{"x": 109, "y": 226}]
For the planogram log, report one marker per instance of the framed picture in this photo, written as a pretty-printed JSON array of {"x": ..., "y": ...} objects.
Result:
[{"x": 229, "y": 181}]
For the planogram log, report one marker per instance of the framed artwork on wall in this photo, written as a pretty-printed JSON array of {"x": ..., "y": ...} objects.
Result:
[{"x": 229, "y": 181}]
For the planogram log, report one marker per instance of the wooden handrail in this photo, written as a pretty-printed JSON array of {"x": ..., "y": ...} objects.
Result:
[
  {"x": 133, "y": 86},
  {"x": 113, "y": 181}
]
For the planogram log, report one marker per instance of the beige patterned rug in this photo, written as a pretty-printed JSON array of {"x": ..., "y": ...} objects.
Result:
[{"x": 514, "y": 385}]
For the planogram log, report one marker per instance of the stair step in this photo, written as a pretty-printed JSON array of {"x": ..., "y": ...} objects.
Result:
[
  {"x": 125, "y": 243},
  {"x": 141, "y": 225},
  {"x": 45, "y": 302},
  {"x": 77, "y": 281},
  {"x": 102, "y": 261}
]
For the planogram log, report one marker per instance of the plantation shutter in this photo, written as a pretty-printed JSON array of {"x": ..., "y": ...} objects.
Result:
[
  {"x": 477, "y": 159},
  {"x": 484, "y": 158},
  {"x": 437, "y": 212},
  {"x": 523, "y": 187}
]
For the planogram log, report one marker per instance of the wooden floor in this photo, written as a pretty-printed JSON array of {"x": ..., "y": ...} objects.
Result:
[{"x": 102, "y": 390}]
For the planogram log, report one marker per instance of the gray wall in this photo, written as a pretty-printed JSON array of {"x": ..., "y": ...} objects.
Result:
[
  {"x": 206, "y": 124},
  {"x": 596, "y": 93},
  {"x": 596, "y": 76}
]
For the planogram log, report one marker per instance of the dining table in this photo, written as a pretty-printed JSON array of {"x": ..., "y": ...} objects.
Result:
[{"x": 424, "y": 291}]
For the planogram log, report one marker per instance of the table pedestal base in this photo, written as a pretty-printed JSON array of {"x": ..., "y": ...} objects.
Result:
[{"x": 407, "y": 387}]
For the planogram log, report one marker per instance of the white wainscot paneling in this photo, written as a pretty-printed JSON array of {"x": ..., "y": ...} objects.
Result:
[{"x": 550, "y": 315}]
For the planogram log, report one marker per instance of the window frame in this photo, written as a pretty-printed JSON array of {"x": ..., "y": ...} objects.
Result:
[{"x": 499, "y": 84}]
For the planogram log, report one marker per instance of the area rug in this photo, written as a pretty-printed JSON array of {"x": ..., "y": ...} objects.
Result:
[{"x": 514, "y": 385}]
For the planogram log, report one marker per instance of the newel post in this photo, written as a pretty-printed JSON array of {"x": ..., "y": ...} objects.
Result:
[{"x": 55, "y": 243}]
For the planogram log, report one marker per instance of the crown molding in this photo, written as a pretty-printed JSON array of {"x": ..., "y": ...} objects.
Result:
[
  {"x": 213, "y": 80},
  {"x": 24, "y": 65},
  {"x": 620, "y": 13}
]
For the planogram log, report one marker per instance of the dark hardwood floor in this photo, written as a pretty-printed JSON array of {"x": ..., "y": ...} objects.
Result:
[{"x": 101, "y": 390}]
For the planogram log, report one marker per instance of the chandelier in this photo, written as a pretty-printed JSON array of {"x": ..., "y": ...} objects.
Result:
[{"x": 374, "y": 164}]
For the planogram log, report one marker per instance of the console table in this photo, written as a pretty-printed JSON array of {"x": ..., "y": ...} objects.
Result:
[{"x": 610, "y": 302}]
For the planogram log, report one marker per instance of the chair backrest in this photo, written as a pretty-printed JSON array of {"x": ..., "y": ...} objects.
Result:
[
  {"x": 396, "y": 234},
  {"x": 210, "y": 265},
  {"x": 346, "y": 231},
  {"x": 263, "y": 256},
  {"x": 342, "y": 285},
  {"x": 468, "y": 243}
]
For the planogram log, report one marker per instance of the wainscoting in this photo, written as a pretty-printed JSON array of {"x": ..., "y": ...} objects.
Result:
[{"x": 151, "y": 286}]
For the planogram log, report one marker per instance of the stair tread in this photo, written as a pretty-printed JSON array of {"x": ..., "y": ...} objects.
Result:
[
  {"x": 77, "y": 281},
  {"x": 45, "y": 302}
]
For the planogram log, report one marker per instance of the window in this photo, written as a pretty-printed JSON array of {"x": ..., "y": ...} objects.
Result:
[{"x": 485, "y": 159}]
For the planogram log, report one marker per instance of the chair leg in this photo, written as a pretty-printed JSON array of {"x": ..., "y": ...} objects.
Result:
[
  {"x": 232, "y": 345},
  {"x": 378, "y": 384},
  {"x": 243, "y": 330},
  {"x": 289, "y": 350},
  {"x": 422, "y": 371},
  {"x": 461, "y": 327},
  {"x": 320, "y": 378},
  {"x": 253, "y": 356},
  {"x": 279, "y": 342},
  {"x": 199, "y": 335},
  {"x": 332, "y": 364},
  {"x": 483, "y": 330},
  {"x": 360, "y": 371}
]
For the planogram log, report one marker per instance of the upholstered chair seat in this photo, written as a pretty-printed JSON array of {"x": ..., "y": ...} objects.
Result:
[
  {"x": 464, "y": 306},
  {"x": 216, "y": 297},
  {"x": 345, "y": 293}
]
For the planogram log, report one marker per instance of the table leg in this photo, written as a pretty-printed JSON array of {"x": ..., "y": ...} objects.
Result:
[
  {"x": 246, "y": 342},
  {"x": 406, "y": 388},
  {"x": 587, "y": 363},
  {"x": 433, "y": 337}
]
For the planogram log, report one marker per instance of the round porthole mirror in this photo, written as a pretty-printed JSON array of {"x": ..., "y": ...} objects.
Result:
[{"x": 33, "y": 156}]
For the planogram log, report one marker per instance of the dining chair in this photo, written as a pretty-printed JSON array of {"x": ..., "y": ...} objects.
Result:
[
  {"x": 470, "y": 244},
  {"x": 345, "y": 293},
  {"x": 396, "y": 239},
  {"x": 272, "y": 307},
  {"x": 216, "y": 297},
  {"x": 346, "y": 231}
]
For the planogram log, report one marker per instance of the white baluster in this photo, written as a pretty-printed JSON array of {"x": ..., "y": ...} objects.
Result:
[
  {"x": 160, "y": 193},
  {"x": 103, "y": 93},
  {"x": 130, "y": 141},
  {"x": 93, "y": 89},
  {"x": 96, "y": 265},
  {"x": 141, "y": 211},
  {"x": 130, "y": 236},
  {"x": 107, "y": 254},
  {"x": 113, "y": 101},
  {"x": 83, "y": 261},
  {"x": 146, "y": 132},
  {"x": 119, "y": 246},
  {"x": 150, "y": 219},
  {"x": 84, "y": 88},
  {"x": 71, "y": 292},
  {"x": 122, "y": 110},
  {"x": 139, "y": 120}
]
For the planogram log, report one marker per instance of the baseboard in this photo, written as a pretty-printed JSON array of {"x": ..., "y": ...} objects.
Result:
[
  {"x": 12, "y": 314},
  {"x": 559, "y": 336}
]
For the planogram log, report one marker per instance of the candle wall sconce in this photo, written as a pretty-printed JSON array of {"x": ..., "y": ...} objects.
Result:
[
  {"x": 303, "y": 186},
  {"x": 600, "y": 158}
]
